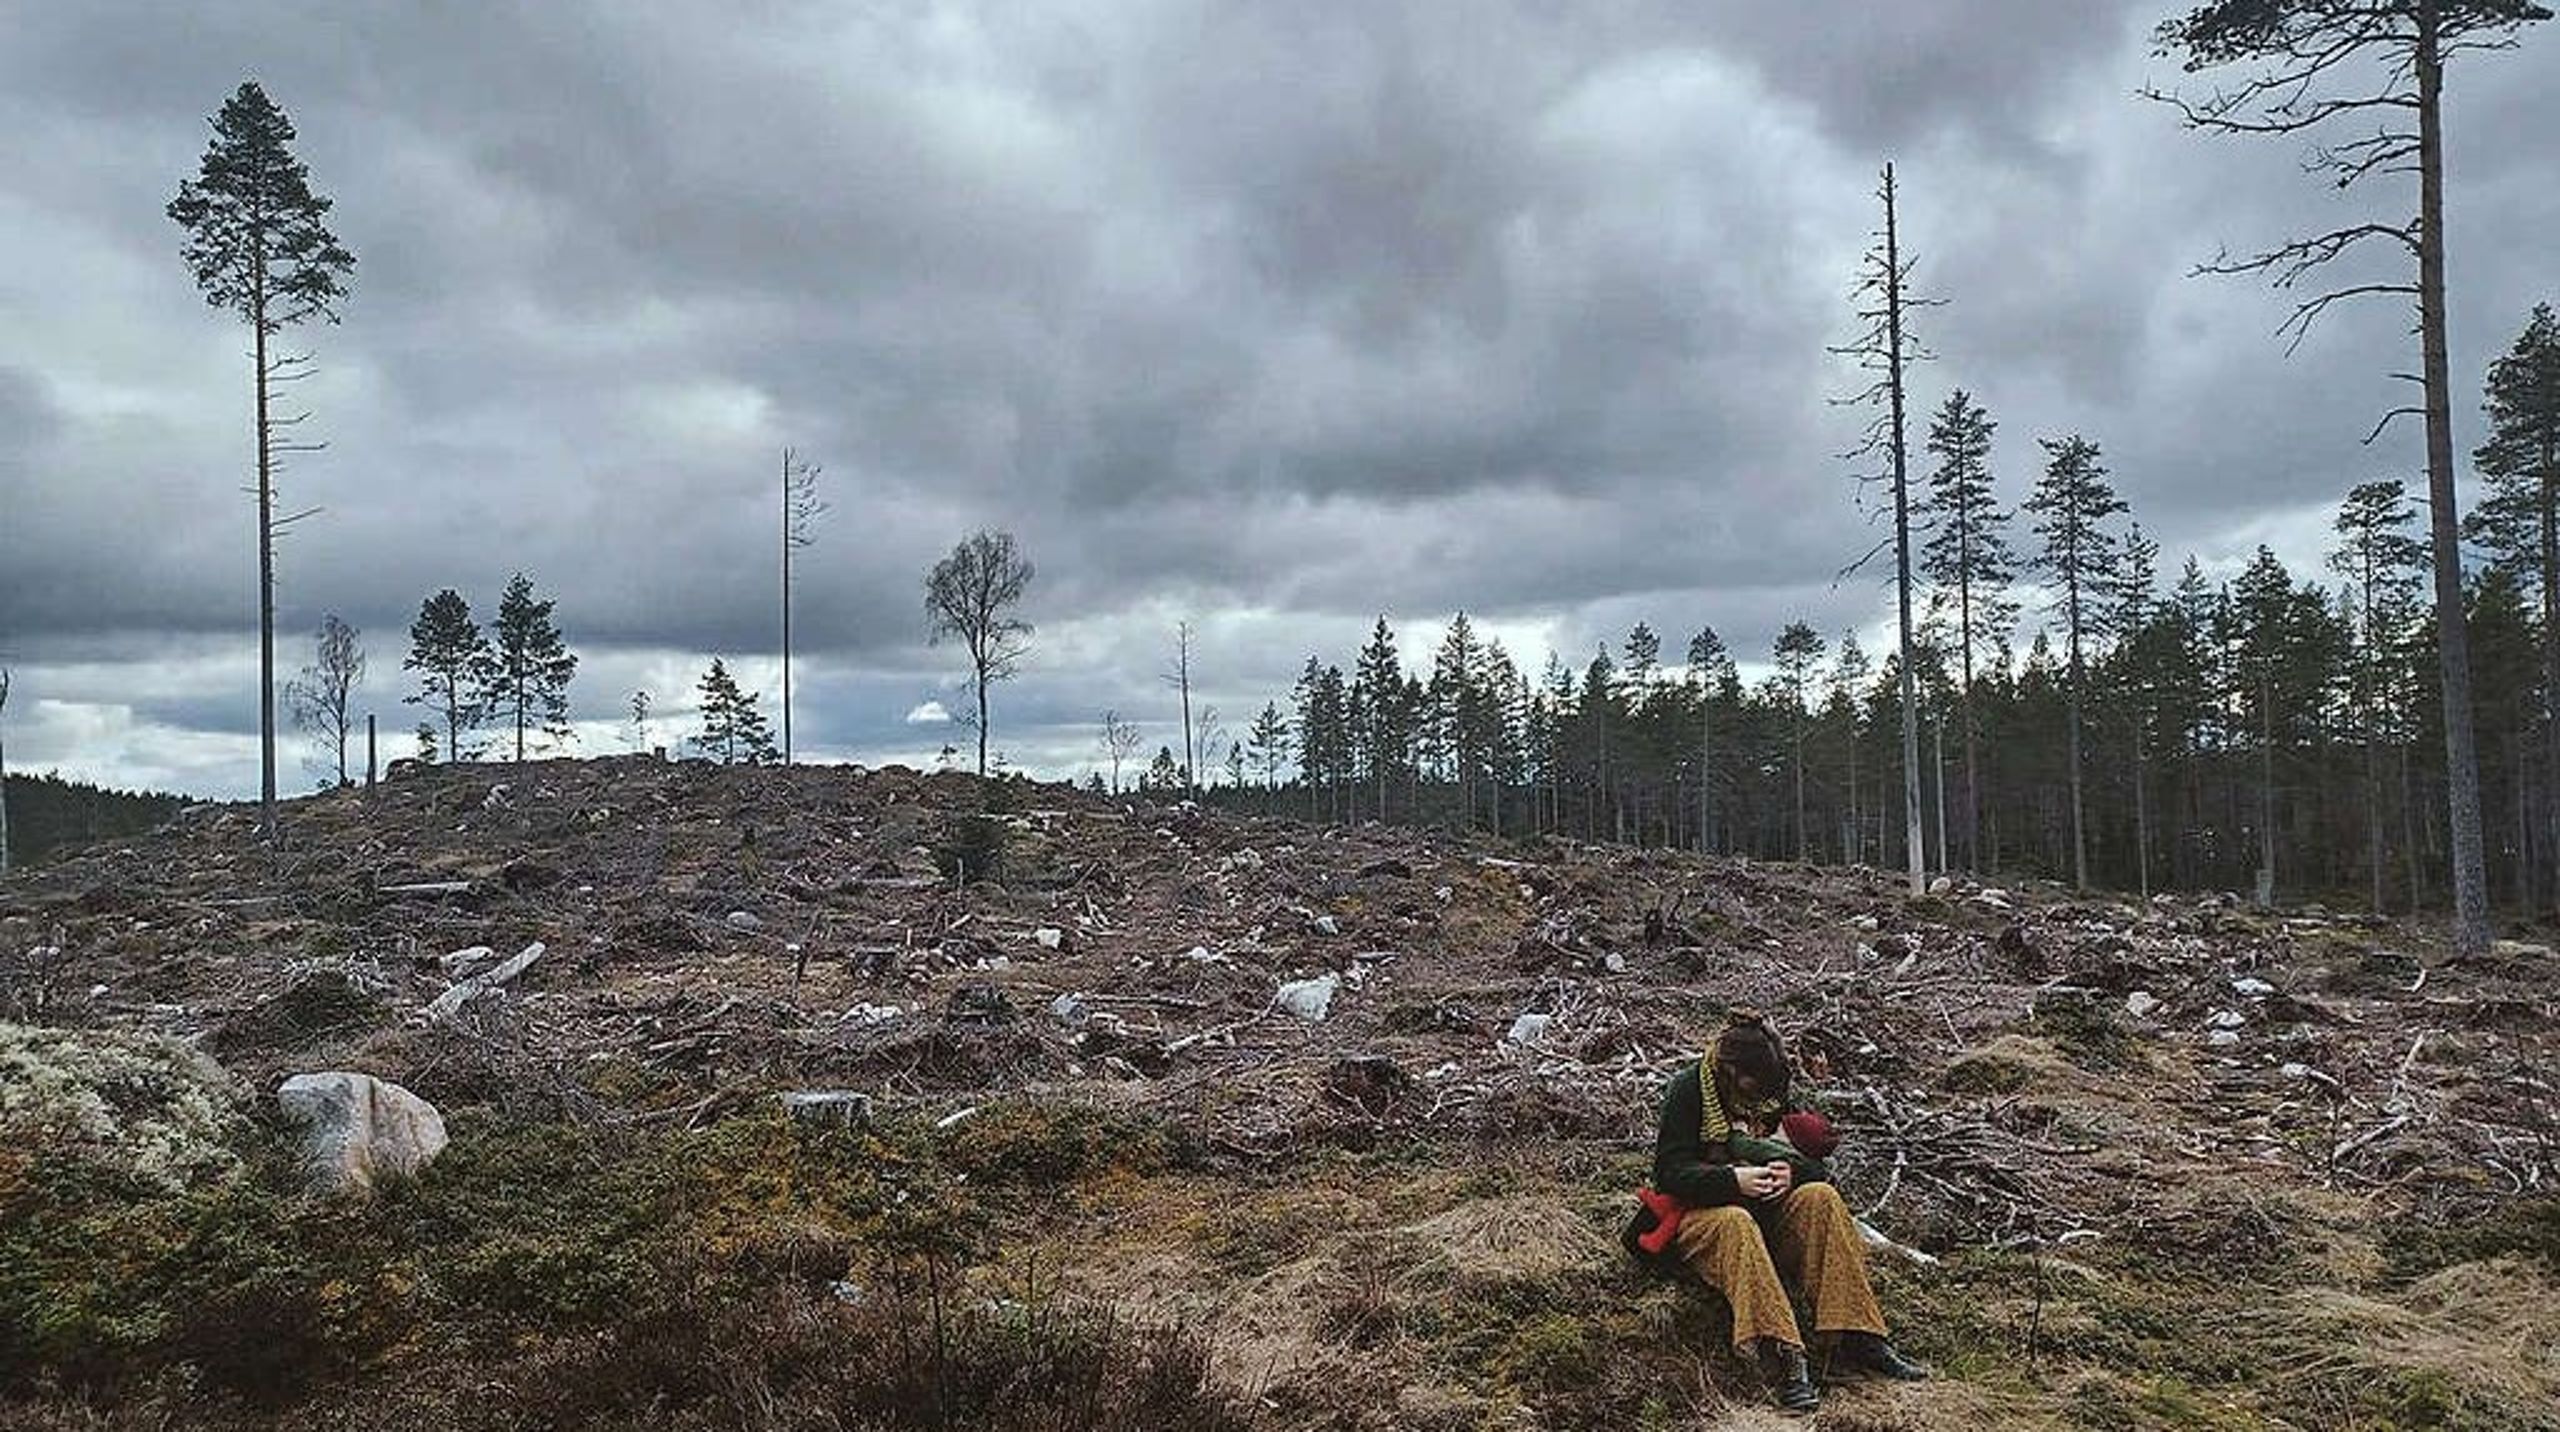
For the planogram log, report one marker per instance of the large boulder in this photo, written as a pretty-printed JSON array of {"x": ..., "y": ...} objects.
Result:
[
  {"x": 146, "y": 1106},
  {"x": 356, "y": 1128}
]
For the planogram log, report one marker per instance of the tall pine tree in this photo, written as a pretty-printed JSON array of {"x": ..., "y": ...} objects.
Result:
[{"x": 259, "y": 244}]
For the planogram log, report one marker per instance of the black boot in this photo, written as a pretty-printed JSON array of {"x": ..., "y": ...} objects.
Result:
[
  {"x": 1870, "y": 1354},
  {"x": 1796, "y": 1393}
]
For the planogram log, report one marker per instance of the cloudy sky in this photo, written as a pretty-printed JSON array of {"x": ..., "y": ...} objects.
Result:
[{"x": 1271, "y": 318}]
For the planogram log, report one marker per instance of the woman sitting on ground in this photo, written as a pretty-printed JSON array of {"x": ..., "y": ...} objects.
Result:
[{"x": 1747, "y": 1224}]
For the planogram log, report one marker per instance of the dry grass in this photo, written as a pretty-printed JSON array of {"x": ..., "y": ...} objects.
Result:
[
  {"x": 2473, "y": 1345},
  {"x": 1512, "y": 1240}
]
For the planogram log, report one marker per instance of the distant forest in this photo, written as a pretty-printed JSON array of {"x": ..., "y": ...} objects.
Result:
[
  {"x": 2261, "y": 732},
  {"x": 49, "y": 814}
]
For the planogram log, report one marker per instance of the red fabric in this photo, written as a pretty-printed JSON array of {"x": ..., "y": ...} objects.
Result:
[
  {"x": 1811, "y": 1133},
  {"x": 1667, "y": 1212}
]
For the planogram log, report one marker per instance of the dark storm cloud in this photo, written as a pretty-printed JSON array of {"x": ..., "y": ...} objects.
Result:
[{"x": 1274, "y": 318}]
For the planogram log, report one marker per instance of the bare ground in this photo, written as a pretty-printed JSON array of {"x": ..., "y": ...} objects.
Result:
[{"x": 2180, "y": 1163}]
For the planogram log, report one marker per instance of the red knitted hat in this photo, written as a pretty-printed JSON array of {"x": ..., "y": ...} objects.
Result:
[{"x": 1811, "y": 1133}]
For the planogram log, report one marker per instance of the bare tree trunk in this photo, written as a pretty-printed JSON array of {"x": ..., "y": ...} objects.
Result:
[
  {"x": 2373, "y": 809},
  {"x": 2079, "y": 843},
  {"x": 2524, "y": 829},
  {"x": 1800, "y": 831},
  {"x": 2415, "y": 854},
  {"x": 2453, "y": 637},
  {"x": 2079, "y": 839},
  {"x": 1182, "y": 671},
  {"x": 266, "y": 569},
  {"x": 1938, "y": 760},
  {"x": 786, "y": 606},
  {"x": 2551, "y": 661},
  {"x": 1856, "y": 844},
  {"x": 4, "y": 777},
  {"x": 1913, "y": 855},
  {"x": 2266, "y": 794},
  {"x": 1706, "y": 774},
  {"x": 2141, "y": 813}
]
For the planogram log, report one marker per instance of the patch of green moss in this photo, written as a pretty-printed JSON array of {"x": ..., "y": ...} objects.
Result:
[
  {"x": 1041, "y": 1144},
  {"x": 1987, "y": 1071},
  {"x": 2085, "y": 1029},
  {"x": 1551, "y": 1350},
  {"x": 2529, "y": 1229}
]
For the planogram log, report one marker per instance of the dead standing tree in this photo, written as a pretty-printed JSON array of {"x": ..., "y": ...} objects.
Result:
[
  {"x": 801, "y": 506},
  {"x": 1180, "y": 678},
  {"x": 259, "y": 246},
  {"x": 4, "y": 775},
  {"x": 321, "y": 699},
  {"x": 1885, "y": 348},
  {"x": 2315, "y": 65},
  {"x": 969, "y": 597},
  {"x": 1120, "y": 741}
]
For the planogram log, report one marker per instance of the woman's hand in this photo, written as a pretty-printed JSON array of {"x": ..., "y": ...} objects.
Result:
[{"x": 1769, "y": 1180}]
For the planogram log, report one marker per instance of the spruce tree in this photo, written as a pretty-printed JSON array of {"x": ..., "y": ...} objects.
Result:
[
  {"x": 1969, "y": 568},
  {"x": 450, "y": 655},
  {"x": 1268, "y": 739},
  {"x": 259, "y": 245},
  {"x": 1600, "y": 722},
  {"x": 1509, "y": 700},
  {"x": 1797, "y": 650},
  {"x": 2136, "y": 595},
  {"x": 2071, "y": 504},
  {"x": 1456, "y": 717},
  {"x": 2380, "y": 564},
  {"x": 529, "y": 667},
  {"x": 1381, "y": 723},
  {"x": 2519, "y": 520},
  {"x": 1711, "y": 669},
  {"x": 734, "y": 731},
  {"x": 1850, "y": 671},
  {"x": 1334, "y": 725}
]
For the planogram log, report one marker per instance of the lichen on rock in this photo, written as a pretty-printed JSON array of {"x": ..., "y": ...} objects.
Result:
[{"x": 151, "y": 1107}]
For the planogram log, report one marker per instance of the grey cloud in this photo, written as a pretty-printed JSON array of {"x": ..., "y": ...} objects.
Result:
[{"x": 1274, "y": 318}]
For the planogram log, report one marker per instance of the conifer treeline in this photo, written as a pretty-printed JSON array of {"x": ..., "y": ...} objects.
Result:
[
  {"x": 2272, "y": 723},
  {"x": 48, "y": 813}
]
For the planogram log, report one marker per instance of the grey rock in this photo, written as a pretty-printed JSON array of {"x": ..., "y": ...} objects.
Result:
[
  {"x": 1309, "y": 999},
  {"x": 356, "y": 1128}
]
